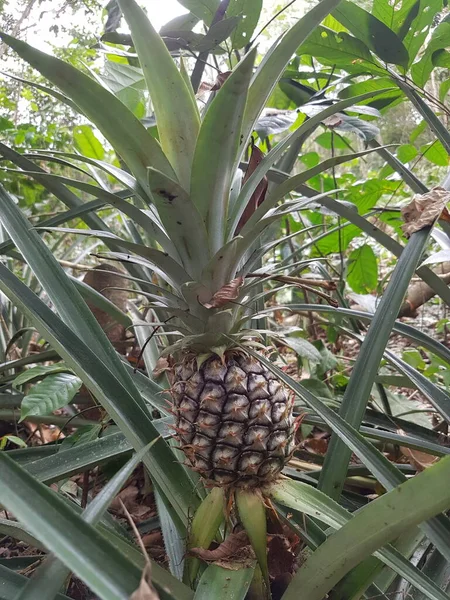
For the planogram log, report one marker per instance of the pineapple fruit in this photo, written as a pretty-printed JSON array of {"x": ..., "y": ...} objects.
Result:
[{"x": 234, "y": 419}]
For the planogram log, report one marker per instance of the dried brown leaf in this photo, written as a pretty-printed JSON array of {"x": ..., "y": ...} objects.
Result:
[
  {"x": 162, "y": 365},
  {"x": 333, "y": 121},
  {"x": 234, "y": 553},
  {"x": 424, "y": 210},
  {"x": 419, "y": 460},
  {"x": 259, "y": 194},
  {"x": 145, "y": 591},
  {"x": 281, "y": 559},
  {"x": 228, "y": 292},
  {"x": 221, "y": 78}
]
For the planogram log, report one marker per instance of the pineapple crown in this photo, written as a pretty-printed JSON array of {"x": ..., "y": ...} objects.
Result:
[{"x": 199, "y": 217}]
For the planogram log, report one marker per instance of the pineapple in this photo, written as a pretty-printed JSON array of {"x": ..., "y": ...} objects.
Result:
[
  {"x": 234, "y": 419},
  {"x": 202, "y": 222}
]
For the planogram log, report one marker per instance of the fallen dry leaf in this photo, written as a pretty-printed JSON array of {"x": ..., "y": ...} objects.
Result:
[
  {"x": 145, "y": 591},
  {"x": 162, "y": 365},
  {"x": 233, "y": 554},
  {"x": 419, "y": 460},
  {"x": 424, "y": 210},
  {"x": 228, "y": 292}
]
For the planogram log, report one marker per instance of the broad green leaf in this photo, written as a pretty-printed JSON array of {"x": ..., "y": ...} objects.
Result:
[
  {"x": 329, "y": 140},
  {"x": 249, "y": 11},
  {"x": 406, "y": 152},
  {"x": 303, "y": 348},
  {"x": 202, "y": 9},
  {"x": 440, "y": 39},
  {"x": 362, "y": 270},
  {"x": 39, "y": 372},
  {"x": 381, "y": 101},
  {"x": 129, "y": 138},
  {"x": 374, "y": 33},
  {"x": 226, "y": 584},
  {"x": 337, "y": 48},
  {"x": 371, "y": 527},
  {"x": 217, "y": 34},
  {"x": 420, "y": 26},
  {"x": 220, "y": 137},
  {"x": 397, "y": 15},
  {"x": 435, "y": 153},
  {"x": 176, "y": 113},
  {"x": 53, "y": 392},
  {"x": 87, "y": 143}
]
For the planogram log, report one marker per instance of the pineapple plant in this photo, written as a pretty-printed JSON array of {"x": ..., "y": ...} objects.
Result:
[
  {"x": 233, "y": 418},
  {"x": 201, "y": 213}
]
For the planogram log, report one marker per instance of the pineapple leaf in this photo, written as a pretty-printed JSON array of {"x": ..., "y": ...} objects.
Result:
[
  {"x": 291, "y": 184},
  {"x": 216, "y": 151},
  {"x": 252, "y": 513},
  {"x": 127, "y": 135},
  {"x": 181, "y": 220},
  {"x": 272, "y": 67},
  {"x": 221, "y": 268},
  {"x": 137, "y": 215},
  {"x": 207, "y": 520},
  {"x": 304, "y": 498},
  {"x": 157, "y": 260},
  {"x": 277, "y": 152},
  {"x": 372, "y": 527},
  {"x": 122, "y": 176},
  {"x": 176, "y": 112}
]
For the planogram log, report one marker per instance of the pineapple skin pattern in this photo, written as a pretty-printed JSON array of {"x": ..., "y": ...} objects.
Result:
[{"x": 234, "y": 419}]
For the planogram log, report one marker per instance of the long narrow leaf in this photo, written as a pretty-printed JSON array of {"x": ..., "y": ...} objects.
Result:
[
  {"x": 374, "y": 525},
  {"x": 220, "y": 137},
  {"x": 366, "y": 367},
  {"x": 128, "y": 136},
  {"x": 130, "y": 415},
  {"x": 107, "y": 571},
  {"x": 176, "y": 113}
]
